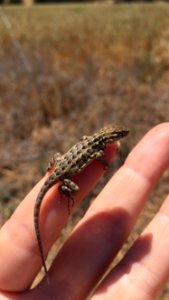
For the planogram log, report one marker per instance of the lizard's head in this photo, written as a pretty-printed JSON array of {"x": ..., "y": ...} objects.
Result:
[{"x": 112, "y": 133}]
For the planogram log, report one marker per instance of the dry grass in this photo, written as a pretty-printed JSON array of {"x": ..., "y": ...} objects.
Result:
[{"x": 90, "y": 65}]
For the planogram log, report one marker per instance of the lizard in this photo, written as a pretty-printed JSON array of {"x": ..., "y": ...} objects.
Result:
[{"x": 71, "y": 163}]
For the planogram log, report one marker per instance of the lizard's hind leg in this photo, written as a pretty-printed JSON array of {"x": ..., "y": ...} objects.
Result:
[{"x": 68, "y": 188}]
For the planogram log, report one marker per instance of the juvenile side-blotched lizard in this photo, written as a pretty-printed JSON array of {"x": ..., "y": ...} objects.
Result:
[{"x": 71, "y": 163}]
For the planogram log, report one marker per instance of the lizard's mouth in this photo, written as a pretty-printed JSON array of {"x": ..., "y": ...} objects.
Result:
[{"x": 124, "y": 133}]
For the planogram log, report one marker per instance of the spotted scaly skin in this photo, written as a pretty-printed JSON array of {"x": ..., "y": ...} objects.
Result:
[{"x": 73, "y": 162}]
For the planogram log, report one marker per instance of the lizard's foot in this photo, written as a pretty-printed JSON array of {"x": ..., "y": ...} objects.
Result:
[
  {"x": 68, "y": 188},
  {"x": 104, "y": 162}
]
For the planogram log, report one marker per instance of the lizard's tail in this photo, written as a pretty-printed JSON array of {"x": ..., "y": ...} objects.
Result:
[{"x": 48, "y": 183}]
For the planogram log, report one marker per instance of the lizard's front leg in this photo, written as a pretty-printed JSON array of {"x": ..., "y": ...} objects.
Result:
[
  {"x": 68, "y": 188},
  {"x": 98, "y": 155},
  {"x": 54, "y": 160}
]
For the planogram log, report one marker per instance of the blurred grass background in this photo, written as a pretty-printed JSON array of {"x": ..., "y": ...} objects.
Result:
[{"x": 88, "y": 65}]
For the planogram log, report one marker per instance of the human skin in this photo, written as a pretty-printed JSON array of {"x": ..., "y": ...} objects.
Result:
[{"x": 97, "y": 238}]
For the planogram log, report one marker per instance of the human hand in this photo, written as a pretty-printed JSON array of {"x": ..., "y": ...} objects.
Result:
[{"x": 97, "y": 238}]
